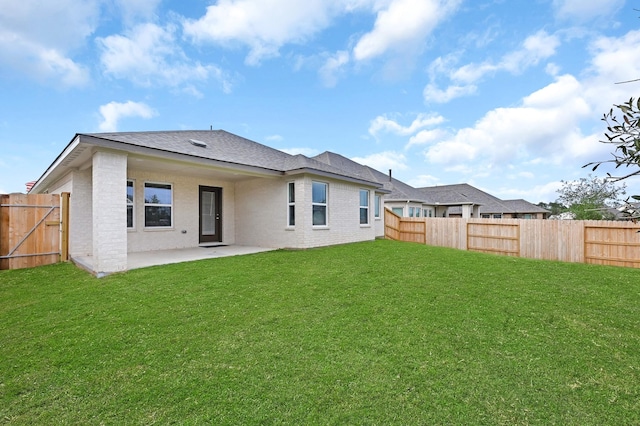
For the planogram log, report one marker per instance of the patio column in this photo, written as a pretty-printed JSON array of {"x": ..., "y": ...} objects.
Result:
[{"x": 109, "y": 207}]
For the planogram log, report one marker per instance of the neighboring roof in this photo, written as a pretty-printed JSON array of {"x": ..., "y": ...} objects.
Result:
[
  {"x": 398, "y": 190},
  {"x": 209, "y": 146},
  {"x": 523, "y": 206},
  {"x": 489, "y": 204}
]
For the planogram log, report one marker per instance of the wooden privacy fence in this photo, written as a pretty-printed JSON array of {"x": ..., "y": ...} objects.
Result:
[
  {"x": 33, "y": 230},
  {"x": 590, "y": 241}
]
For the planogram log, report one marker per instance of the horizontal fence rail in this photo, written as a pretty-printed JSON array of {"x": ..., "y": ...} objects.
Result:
[{"x": 595, "y": 242}]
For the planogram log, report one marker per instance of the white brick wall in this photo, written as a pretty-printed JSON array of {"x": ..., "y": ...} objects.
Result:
[
  {"x": 80, "y": 215},
  {"x": 109, "y": 174},
  {"x": 78, "y": 184},
  {"x": 186, "y": 213},
  {"x": 344, "y": 215},
  {"x": 261, "y": 213}
]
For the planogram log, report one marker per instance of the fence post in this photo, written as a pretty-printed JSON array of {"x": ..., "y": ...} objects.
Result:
[{"x": 64, "y": 217}]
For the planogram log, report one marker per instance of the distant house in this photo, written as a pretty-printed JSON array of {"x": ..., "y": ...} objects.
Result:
[
  {"x": 142, "y": 191},
  {"x": 488, "y": 205},
  {"x": 403, "y": 199}
]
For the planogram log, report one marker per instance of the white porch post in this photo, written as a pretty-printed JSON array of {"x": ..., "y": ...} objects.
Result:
[
  {"x": 109, "y": 206},
  {"x": 466, "y": 211}
]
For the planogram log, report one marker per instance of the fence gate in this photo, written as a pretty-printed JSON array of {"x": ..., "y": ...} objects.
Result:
[{"x": 33, "y": 230}]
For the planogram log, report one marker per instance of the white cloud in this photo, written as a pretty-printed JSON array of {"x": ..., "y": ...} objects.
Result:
[
  {"x": 400, "y": 26},
  {"x": 534, "y": 49},
  {"x": 424, "y": 137},
  {"x": 421, "y": 181},
  {"x": 544, "y": 126},
  {"x": 149, "y": 55},
  {"x": 114, "y": 111},
  {"x": 133, "y": 10},
  {"x": 403, "y": 24},
  {"x": 385, "y": 124},
  {"x": 333, "y": 67},
  {"x": 384, "y": 161},
  {"x": 583, "y": 11},
  {"x": 253, "y": 24},
  {"x": 36, "y": 38},
  {"x": 432, "y": 93},
  {"x": 546, "y": 192},
  {"x": 615, "y": 60}
]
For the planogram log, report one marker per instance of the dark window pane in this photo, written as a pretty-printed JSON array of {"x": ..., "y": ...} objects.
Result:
[
  {"x": 292, "y": 215},
  {"x": 157, "y": 216},
  {"x": 292, "y": 192},
  {"x": 319, "y": 215},
  {"x": 129, "y": 216},
  {"x": 364, "y": 216}
]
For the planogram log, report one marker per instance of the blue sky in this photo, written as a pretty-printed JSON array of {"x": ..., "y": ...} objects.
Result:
[{"x": 506, "y": 95}]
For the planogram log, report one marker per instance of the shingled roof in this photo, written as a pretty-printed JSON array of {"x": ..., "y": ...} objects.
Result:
[
  {"x": 489, "y": 204},
  {"x": 398, "y": 190},
  {"x": 221, "y": 146}
]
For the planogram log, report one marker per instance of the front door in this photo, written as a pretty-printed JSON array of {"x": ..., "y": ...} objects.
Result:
[{"x": 210, "y": 214}]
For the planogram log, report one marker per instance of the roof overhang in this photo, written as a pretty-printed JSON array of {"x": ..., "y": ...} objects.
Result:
[
  {"x": 77, "y": 154},
  {"x": 322, "y": 173}
]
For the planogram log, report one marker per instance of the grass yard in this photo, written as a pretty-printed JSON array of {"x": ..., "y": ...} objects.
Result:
[{"x": 371, "y": 333}]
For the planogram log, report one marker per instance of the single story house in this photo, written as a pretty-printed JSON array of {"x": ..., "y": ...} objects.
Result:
[
  {"x": 401, "y": 198},
  {"x": 142, "y": 191},
  {"x": 488, "y": 206}
]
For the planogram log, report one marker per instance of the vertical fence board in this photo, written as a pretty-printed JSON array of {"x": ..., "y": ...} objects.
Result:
[
  {"x": 4, "y": 231},
  {"x": 597, "y": 242}
]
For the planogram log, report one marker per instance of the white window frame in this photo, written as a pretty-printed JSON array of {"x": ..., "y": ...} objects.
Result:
[
  {"x": 318, "y": 204},
  {"x": 398, "y": 210},
  {"x": 131, "y": 203},
  {"x": 497, "y": 216},
  {"x": 364, "y": 207},
  {"x": 291, "y": 204},
  {"x": 170, "y": 185},
  {"x": 377, "y": 206}
]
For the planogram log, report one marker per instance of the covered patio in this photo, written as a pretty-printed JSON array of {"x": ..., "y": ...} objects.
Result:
[{"x": 144, "y": 259}]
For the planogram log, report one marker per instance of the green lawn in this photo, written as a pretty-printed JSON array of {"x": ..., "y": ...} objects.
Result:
[{"x": 371, "y": 333}]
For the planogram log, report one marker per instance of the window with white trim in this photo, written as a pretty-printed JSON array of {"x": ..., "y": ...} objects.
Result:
[
  {"x": 130, "y": 205},
  {"x": 291, "y": 204},
  {"x": 158, "y": 205},
  {"x": 376, "y": 207},
  {"x": 319, "y": 203},
  {"x": 364, "y": 207},
  {"x": 398, "y": 210}
]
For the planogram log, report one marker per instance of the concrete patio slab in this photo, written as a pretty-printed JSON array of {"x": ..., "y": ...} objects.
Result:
[{"x": 162, "y": 257}]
